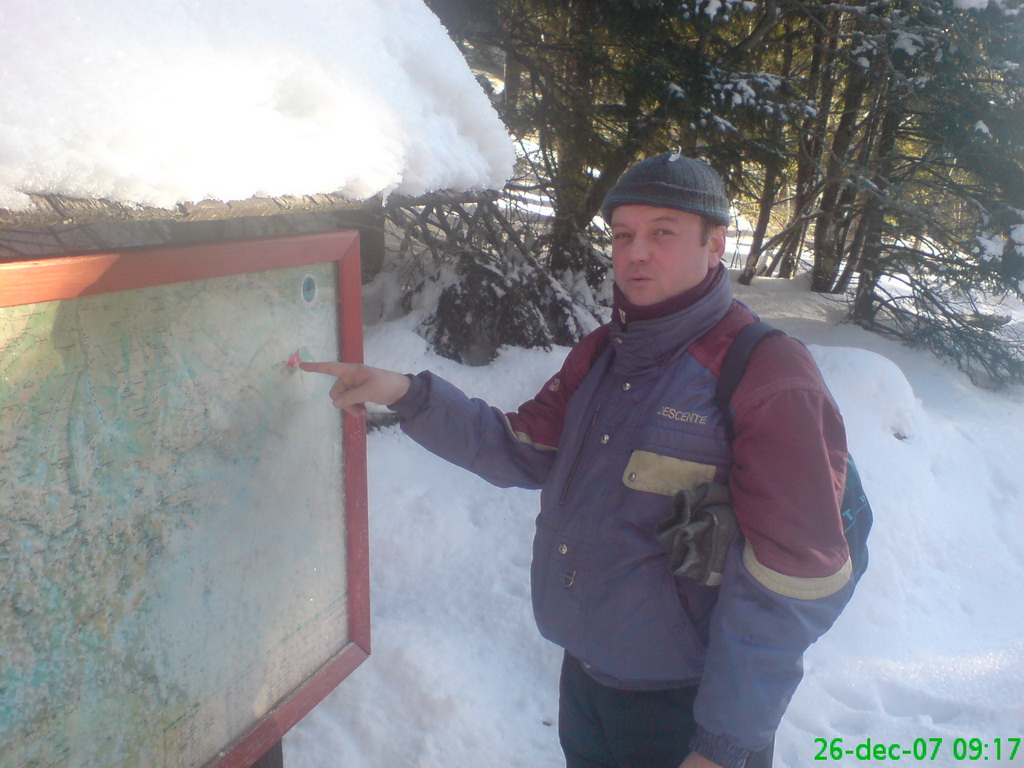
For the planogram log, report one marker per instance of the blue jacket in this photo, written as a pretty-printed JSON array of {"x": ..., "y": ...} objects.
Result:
[{"x": 627, "y": 422}]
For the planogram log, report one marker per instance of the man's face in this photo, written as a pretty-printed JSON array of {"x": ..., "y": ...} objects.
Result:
[{"x": 657, "y": 252}]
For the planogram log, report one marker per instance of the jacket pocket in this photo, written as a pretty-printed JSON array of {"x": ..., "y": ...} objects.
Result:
[
  {"x": 642, "y": 631},
  {"x": 556, "y": 576},
  {"x": 665, "y": 475},
  {"x": 667, "y": 460}
]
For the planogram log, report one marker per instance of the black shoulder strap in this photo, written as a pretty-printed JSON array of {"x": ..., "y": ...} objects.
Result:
[{"x": 734, "y": 366}]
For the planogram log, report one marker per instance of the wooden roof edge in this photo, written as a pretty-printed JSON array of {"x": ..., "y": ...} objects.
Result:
[
  {"x": 50, "y": 210},
  {"x": 55, "y": 210},
  {"x": 84, "y": 226}
]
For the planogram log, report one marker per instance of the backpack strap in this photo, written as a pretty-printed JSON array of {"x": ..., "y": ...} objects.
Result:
[{"x": 734, "y": 366}]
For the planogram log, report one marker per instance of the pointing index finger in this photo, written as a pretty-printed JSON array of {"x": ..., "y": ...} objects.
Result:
[{"x": 331, "y": 369}]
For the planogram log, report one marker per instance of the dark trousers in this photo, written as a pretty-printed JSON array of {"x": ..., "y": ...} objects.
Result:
[{"x": 602, "y": 727}]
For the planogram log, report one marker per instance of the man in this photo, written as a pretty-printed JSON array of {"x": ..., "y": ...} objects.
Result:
[{"x": 660, "y": 670}]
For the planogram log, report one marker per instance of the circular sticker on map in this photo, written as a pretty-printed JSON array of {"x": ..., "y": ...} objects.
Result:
[{"x": 309, "y": 288}]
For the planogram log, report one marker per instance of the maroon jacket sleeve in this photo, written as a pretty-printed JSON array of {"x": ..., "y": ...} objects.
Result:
[
  {"x": 539, "y": 421},
  {"x": 785, "y": 584},
  {"x": 789, "y": 464}
]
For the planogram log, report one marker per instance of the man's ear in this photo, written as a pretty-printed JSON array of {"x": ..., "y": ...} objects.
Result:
[{"x": 716, "y": 246}]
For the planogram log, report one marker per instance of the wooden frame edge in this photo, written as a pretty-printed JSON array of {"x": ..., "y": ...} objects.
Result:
[
  {"x": 287, "y": 713},
  {"x": 70, "y": 276}
]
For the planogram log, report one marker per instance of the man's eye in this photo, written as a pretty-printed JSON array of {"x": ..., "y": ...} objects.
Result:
[{"x": 621, "y": 235}]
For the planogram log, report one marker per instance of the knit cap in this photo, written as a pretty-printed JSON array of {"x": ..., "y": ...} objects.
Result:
[{"x": 670, "y": 180}]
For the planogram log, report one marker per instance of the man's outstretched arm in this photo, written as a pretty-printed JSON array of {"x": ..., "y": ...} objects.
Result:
[{"x": 359, "y": 384}]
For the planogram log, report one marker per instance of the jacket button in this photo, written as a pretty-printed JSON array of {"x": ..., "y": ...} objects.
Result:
[
  {"x": 605, "y": 439},
  {"x": 562, "y": 549},
  {"x": 626, "y": 386},
  {"x": 632, "y": 475}
]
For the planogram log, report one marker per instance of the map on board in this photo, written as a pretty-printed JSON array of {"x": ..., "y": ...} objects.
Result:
[{"x": 167, "y": 568}]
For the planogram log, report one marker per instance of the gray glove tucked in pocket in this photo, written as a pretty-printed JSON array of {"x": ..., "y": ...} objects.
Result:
[{"x": 698, "y": 533}]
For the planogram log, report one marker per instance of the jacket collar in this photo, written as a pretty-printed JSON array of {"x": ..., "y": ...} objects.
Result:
[
  {"x": 625, "y": 312},
  {"x": 643, "y": 344}
]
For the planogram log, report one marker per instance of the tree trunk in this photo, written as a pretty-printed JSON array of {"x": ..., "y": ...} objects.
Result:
[
  {"x": 829, "y": 224},
  {"x": 769, "y": 195},
  {"x": 821, "y": 88},
  {"x": 870, "y": 261},
  {"x": 570, "y": 140},
  {"x": 876, "y": 152}
]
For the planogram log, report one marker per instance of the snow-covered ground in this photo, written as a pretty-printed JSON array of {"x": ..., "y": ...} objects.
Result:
[{"x": 931, "y": 647}]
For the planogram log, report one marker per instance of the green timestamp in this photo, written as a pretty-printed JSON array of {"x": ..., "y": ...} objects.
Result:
[{"x": 919, "y": 749}]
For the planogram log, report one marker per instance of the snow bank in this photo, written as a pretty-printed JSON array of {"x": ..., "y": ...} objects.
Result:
[{"x": 169, "y": 100}]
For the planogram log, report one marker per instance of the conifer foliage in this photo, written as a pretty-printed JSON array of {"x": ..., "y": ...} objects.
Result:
[
  {"x": 477, "y": 265},
  {"x": 880, "y": 142}
]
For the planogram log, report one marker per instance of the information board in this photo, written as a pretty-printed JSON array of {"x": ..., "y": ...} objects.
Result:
[{"x": 183, "y": 548}]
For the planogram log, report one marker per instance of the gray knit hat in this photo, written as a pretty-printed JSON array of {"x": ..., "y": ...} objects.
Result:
[{"x": 671, "y": 181}]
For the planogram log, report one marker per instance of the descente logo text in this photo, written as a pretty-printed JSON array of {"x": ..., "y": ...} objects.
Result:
[{"x": 688, "y": 417}]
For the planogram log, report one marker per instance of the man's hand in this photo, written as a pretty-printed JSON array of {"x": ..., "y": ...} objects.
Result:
[
  {"x": 694, "y": 760},
  {"x": 359, "y": 384}
]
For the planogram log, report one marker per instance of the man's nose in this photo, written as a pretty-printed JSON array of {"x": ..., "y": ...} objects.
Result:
[{"x": 639, "y": 250}]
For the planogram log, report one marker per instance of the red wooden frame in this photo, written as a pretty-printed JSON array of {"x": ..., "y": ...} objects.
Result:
[{"x": 65, "y": 277}]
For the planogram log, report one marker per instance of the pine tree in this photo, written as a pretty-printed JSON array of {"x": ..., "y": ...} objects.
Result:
[{"x": 882, "y": 140}]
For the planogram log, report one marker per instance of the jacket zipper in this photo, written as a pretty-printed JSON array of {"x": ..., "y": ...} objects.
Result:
[{"x": 579, "y": 456}]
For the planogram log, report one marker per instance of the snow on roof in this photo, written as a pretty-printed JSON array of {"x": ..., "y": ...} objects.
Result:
[{"x": 172, "y": 101}]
